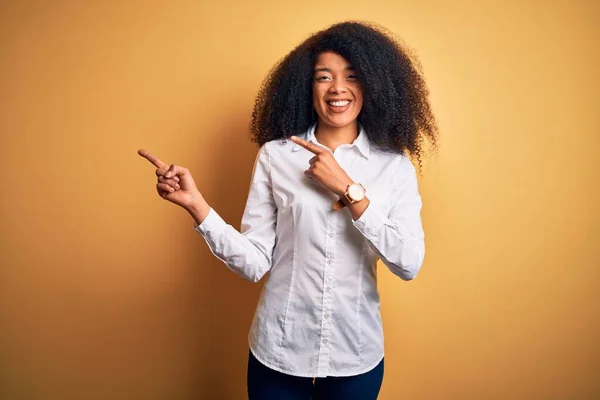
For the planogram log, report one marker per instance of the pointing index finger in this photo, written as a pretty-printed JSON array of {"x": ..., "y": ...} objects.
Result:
[
  {"x": 153, "y": 159},
  {"x": 307, "y": 145}
]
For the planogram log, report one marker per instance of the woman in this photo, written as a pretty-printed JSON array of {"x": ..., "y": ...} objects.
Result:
[{"x": 332, "y": 191}]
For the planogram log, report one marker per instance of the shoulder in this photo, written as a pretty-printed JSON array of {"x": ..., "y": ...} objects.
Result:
[
  {"x": 281, "y": 147},
  {"x": 270, "y": 152},
  {"x": 400, "y": 162}
]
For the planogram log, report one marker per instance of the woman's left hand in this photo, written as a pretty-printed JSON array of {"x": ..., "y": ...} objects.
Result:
[{"x": 324, "y": 168}]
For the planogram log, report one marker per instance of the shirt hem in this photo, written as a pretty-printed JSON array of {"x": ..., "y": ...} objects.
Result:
[{"x": 305, "y": 375}]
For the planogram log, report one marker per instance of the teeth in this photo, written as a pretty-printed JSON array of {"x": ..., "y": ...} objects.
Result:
[{"x": 340, "y": 103}]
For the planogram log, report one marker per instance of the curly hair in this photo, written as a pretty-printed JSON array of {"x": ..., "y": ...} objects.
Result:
[{"x": 396, "y": 113}]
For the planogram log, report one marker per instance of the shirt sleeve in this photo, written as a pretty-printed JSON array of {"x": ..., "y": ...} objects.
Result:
[
  {"x": 398, "y": 237},
  {"x": 247, "y": 252}
]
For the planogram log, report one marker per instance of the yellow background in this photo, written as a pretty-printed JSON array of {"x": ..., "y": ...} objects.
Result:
[{"x": 106, "y": 292}]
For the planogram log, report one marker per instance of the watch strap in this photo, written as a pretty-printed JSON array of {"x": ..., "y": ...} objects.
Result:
[{"x": 338, "y": 205}]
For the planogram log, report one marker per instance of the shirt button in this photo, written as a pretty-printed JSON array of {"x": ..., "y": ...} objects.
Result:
[
  {"x": 328, "y": 290},
  {"x": 326, "y": 316},
  {"x": 331, "y": 235},
  {"x": 329, "y": 262},
  {"x": 324, "y": 341}
]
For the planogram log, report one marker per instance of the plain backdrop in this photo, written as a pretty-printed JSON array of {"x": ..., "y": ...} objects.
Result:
[{"x": 106, "y": 292}]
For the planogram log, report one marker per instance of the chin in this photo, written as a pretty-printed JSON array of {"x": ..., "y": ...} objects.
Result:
[{"x": 338, "y": 122}]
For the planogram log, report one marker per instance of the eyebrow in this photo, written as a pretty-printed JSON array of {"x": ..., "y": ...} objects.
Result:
[{"x": 325, "y": 69}]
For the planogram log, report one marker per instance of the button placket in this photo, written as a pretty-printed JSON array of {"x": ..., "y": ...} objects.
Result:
[{"x": 328, "y": 276}]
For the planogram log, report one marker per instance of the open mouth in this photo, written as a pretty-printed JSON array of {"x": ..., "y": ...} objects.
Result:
[
  {"x": 338, "y": 106},
  {"x": 338, "y": 103}
]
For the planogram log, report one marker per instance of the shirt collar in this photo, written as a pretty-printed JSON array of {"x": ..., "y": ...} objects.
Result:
[{"x": 361, "y": 142}]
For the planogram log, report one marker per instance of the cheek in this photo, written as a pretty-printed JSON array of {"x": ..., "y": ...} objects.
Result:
[
  {"x": 317, "y": 95},
  {"x": 359, "y": 99},
  {"x": 359, "y": 104}
]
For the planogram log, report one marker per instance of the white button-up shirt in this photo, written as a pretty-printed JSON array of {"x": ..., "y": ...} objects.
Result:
[{"x": 318, "y": 313}]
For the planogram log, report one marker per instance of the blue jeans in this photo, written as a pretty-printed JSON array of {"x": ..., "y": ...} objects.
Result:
[{"x": 267, "y": 384}]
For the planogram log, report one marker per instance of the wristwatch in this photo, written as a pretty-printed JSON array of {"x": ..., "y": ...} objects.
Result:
[{"x": 355, "y": 192}]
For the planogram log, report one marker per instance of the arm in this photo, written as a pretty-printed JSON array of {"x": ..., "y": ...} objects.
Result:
[
  {"x": 248, "y": 252},
  {"x": 397, "y": 238}
]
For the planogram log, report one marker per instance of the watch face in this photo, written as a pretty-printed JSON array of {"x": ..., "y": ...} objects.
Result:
[{"x": 356, "y": 192}]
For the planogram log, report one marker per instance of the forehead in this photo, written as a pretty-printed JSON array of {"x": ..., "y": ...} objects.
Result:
[{"x": 331, "y": 60}]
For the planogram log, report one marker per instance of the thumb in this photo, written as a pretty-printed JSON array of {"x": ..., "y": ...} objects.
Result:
[{"x": 175, "y": 170}]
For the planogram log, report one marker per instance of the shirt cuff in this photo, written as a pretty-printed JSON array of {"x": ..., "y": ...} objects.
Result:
[{"x": 213, "y": 224}]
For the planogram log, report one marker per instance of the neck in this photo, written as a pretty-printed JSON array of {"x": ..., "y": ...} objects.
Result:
[{"x": 332, "y": 137}]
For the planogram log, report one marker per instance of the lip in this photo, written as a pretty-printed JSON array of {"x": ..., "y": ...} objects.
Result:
[
  {"x": 337, "y": 109},
  {"x": 326, "y": 100}
]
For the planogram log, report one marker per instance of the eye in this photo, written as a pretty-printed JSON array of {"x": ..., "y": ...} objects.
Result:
[
  {"x": 352, "y": 77},
  {"x": 323, "y": 78}
]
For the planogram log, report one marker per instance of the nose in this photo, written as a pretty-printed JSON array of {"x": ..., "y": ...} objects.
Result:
[{"x": 337, "y": 86}]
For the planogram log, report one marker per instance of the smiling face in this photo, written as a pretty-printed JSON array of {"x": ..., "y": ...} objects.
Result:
[{"x": 337, "y": 95}]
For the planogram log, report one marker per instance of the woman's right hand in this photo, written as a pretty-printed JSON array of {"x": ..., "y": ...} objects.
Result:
[{"x": 175, "y": 184}]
